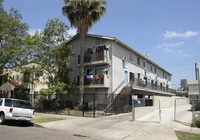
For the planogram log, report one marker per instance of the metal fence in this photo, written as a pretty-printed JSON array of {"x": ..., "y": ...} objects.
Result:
[
  {"x": 94, "y": 104},
  {"x": 146, "y": 109}
]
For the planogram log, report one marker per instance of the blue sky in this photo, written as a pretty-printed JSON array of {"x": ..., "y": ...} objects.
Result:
[{"x": 169, "y": 30}]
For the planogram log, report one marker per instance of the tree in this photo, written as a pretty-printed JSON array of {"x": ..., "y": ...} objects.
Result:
[
  {"x": 12, "y": 35},
  {"x": 48, "y": 49},
  {"x": 82, "y": 14}
]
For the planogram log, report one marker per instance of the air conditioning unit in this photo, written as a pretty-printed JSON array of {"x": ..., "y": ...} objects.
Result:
[{"x": 124, "y": 58}]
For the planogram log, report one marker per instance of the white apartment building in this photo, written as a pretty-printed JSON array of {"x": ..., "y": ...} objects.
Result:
[
  {"x": 111, "y": 65},
  {"x": 193, "y": 88}
]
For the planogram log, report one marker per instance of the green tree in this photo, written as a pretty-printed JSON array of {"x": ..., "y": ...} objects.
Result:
[
  {"x": 12, "y": 36},
  {"x": 48, "y": 49},
  {"x": 82, "y": 14}
]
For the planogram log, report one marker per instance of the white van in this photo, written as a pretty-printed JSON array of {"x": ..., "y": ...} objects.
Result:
[{"x": 15, "y": 109}]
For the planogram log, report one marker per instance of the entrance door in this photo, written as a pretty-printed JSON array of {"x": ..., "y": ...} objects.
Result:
[{"x": 126, "y": 78}]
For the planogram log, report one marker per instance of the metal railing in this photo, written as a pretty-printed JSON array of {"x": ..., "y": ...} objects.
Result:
[
  {"x": 143, "y": 84},
  {"x": 92, "y": 80},
  {"x": 97, "y": 56}
]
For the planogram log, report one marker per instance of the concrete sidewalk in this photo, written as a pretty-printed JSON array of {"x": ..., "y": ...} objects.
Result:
[{"x": 121, "y": 127}]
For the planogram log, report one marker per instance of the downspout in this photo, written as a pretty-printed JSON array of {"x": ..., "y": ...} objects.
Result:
[{"x": 112, "y": 70}]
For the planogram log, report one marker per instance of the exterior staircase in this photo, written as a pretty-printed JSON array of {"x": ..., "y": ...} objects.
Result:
[{"x": 119, "y": 103}]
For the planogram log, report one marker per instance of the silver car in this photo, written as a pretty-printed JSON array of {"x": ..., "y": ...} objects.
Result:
[{"x": 15, "y": 109}]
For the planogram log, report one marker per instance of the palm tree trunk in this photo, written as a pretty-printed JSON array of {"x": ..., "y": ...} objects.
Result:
[{"x": 81, "y": 83}]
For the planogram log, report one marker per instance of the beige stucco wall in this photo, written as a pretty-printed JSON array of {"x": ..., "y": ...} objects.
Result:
[
  {"x": 118, "y": 70},
  {"x": 165, "y": 102},
  {"x": 39, "y": 84}
]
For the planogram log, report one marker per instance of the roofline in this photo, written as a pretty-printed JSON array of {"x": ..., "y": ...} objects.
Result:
[
  {"x": 123, "y": 44},
  {"x": 147, "y": 59}
]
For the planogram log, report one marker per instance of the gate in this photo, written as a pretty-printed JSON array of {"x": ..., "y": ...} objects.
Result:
[
  {"x": 146, "y": 109},
  {"x": 183, "y": 111}
]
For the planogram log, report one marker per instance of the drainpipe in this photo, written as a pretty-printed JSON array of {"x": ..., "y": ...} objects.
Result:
[{"x": 116, "y": 40}]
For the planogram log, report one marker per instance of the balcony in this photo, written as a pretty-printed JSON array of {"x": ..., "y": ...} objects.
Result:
[
  {"x": 93, "y": 81},
  {"x": 95, "y": 58},
  {"x": 139, "y": 84}
]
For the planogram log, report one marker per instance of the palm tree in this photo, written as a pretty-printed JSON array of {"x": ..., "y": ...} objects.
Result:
[{"x": 82, "y": 14}]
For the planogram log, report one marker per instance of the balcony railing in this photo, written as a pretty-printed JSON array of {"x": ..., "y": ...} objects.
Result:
[
  {"x": 143, "y": 84},
  {"x": 92, "y": 80},
  {"x": 94, "y": 57}
]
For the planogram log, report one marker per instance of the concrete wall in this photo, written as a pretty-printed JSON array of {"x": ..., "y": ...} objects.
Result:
[{"x": 165, "y": 102}]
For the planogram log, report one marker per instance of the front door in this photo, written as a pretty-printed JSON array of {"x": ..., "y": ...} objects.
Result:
[{"x": 126, "y": 78}]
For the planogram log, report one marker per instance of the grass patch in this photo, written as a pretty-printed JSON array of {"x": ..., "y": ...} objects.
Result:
[
  {"x": 44, "y": 119},
  {"x": 187, "y": 136}
]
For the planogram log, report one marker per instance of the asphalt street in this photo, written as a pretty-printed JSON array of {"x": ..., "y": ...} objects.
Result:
[{"x": 20, "y": 132}]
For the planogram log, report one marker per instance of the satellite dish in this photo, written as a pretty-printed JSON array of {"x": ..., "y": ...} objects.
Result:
[{"x": 146, "y": 54}]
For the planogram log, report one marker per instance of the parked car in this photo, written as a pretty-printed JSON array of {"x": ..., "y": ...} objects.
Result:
[{"x": 15, "y": 109}]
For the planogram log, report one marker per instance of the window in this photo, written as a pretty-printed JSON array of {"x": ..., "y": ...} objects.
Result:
[
  {"x": 1, "y": 102},
  {"x": 131, "y": 57},
  {"x": 17, "y": 77},
  {"x": 8, "y": 102},
  {"x": 151, "y": 68},
  {"x": 138, "y": 61},
  {"x": 37, "y": 76},
  {"x": 90, "y": 72},
  {"x": 21, "y": 104},
  {"x": 26, "y": 77},
  {"x": 165, "y": 76},
  {"x": 132, "y": 77},
  {"x": 155, "y": 70},
  {"x": 144, "y": 64}
]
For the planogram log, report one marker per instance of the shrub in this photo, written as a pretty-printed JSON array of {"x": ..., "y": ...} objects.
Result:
[{"x": 197, "y": 123}]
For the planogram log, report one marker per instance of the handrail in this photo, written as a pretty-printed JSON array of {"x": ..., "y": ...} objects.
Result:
[{"x": 110, "y": 100}]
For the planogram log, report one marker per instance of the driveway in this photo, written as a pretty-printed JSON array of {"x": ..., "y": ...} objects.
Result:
[{"x": 121, "y": 127}]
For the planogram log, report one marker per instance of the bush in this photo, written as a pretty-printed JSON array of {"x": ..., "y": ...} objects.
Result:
[
  {"x": 46, "y": 103},
  {"x": 196, "y": 123}
]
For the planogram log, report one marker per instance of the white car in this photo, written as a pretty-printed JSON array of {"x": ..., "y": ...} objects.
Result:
[{"x": 15, "y": 109}]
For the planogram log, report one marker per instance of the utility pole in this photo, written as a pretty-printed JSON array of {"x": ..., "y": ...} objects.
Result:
[{"x": 198, "y": 69}]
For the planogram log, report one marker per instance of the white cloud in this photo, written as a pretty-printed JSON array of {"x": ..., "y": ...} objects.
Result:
[
  {"x": 174, "y": 34},
  {"x": 173, "y": 44},
  {"x": 172, "y": 48},
  {"x": 180, "y": 51},
  {"x": 168, "y": 50},
  {"x": 72, "y": 32},
  {"x": 33, "y": 31}
]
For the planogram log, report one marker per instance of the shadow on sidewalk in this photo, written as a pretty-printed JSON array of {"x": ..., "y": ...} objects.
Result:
[{"x": 183, "y": 123}]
